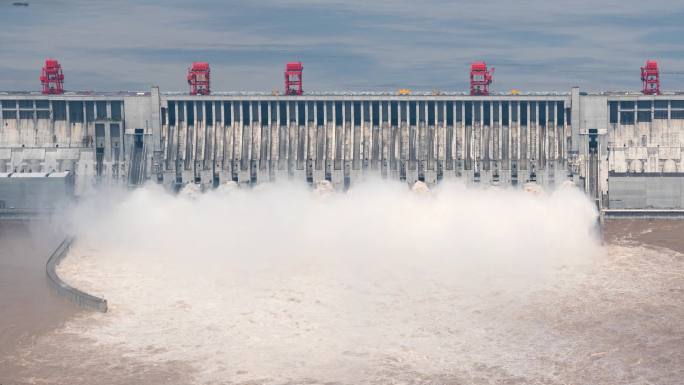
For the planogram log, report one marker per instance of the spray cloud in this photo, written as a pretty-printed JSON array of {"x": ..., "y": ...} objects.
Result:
[{"x": 278, "y": 283}]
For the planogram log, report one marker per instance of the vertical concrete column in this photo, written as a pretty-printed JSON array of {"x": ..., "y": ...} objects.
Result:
[
  {"x": 380, "y": 136},
  {"x": 544, "y": 147},
  {"x": 480, "y": 137},
  {"x": 444, "y": 125},
  {"x": 291, "y": 139},
  {"x": 214, "y": 139},
  {"x": 155, "y": 121},
  {"x": 500, "y": 133},
  {"x": 333, "y": 145},
  {"x": 68, "y": 123},
  {"x": 491, "y": 136},
  {"x": 465, "y": 138},
  {"x": 270, "y": 150},
  {"x": 237, "y": 137},
  {"x": 455, "y": 150},
  {"x": 367, "y": 136},
  {"x": 518, "y": 132},
  {"x": 528, "y": 150},
  {"x": 556, "y": 144},
  {"x": 221, "y": 140},
  {"x": 198, "y": 136},
  {"x": 509, "y": 150},
  {"x": 230, "y": 139},
  {"x": 575, "y": 118},
  {"x": 107, "y": 133},
  {"x": 249, "y": 136},
  {"x": 176, "y": 153},
  {"x": 84, "y": 136},
  {"x": 349, "y": 134}
]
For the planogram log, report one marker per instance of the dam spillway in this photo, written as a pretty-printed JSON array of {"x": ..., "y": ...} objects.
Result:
[{"x": 615, "y": 146}]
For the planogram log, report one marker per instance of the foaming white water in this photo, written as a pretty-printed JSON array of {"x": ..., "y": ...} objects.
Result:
[{"x": 280, "y": 283}]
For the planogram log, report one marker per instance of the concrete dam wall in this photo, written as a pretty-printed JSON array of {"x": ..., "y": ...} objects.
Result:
[
  {"x": 340, "y": 138},
  {"x": 128, "y": 138}
]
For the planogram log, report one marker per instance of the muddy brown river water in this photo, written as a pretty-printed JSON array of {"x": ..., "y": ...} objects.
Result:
[{"x": 617, "y": 321}]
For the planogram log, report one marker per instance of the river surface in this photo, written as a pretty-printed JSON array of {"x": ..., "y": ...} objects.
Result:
[{"x": 614, "y": 320}]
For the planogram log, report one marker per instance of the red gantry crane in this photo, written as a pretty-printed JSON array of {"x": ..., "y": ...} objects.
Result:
[
  {"x": 52, "y": 77},
  {"x": 650, "y": 78},
  {"x": 293, "y": 78},
  {"x": 480, "y": 78},
  {"x": 198, "y": 78}
]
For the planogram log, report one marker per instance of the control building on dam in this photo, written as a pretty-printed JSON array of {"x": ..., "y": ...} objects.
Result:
[{"x": 624, "y": 149}]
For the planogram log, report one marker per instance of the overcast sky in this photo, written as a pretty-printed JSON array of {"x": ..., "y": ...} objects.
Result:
[{"x": 535, "y": 45}]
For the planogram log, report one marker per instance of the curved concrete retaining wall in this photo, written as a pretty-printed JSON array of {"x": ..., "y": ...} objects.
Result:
[{"x": 74, "y": 295}]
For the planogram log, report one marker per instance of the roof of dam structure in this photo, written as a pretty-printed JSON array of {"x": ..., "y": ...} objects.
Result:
[{"x": 331, "y": 94}]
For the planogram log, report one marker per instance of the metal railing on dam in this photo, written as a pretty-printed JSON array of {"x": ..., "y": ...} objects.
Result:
[{"x": 74, "y": 295}]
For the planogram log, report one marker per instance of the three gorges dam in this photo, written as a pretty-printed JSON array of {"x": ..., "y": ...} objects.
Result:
[{"x": 623, "y": 148}]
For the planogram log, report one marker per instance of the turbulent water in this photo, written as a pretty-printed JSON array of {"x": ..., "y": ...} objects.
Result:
[{"x": 379, "y": 285}]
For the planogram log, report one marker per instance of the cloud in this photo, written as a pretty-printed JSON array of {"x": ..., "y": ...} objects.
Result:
[{"x": 350, "y": 45}]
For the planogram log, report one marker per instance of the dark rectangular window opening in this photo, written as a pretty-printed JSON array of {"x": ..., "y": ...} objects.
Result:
[
  {"x": 320, "y": 109},
  {"x": 560, "y": 108},
  {"x": 542, "y": 114},
  {"x": 90, "y": 111},
  {"x": 677, "y": 104},
  {"x": 412, "y": 113},
  {"x": 190, "y": 109},
  {"x": 209, "y": 113},
  {"x": 504, "y": 114},
  {"x": 627, "y": 117},
  {"x": 376, "y": 113},
  {"x": 59, "y": 109},
  {"x": 172, "y": 113},
  {"x": 450, "y": 113},
  {"x": 431, "y": 113},
  {"x": 394, "y": 107},
  {"x": 523, "y": 113},
  {"x": 292, "y": 110},
  {"x": 301, "y": 113},
  {"x": 310, "y": 114},
  {"x": 199, "y": 111},
  {"x": 644, "y": 116},
  {"x": 469, "y": 113},
  {"x": 181, "y": 111},
  {"x": 357, "y": 113},
  {"x": 660, "y": 114},
  {"x": 626, "y": 105},
  {"x": 533, "y": 112},
  {"x": 661, "y": 104},
  {"x": 245, "y": 118},
  {"x": 101, "y": 108},
  {"x": 9, "y": 104},
  {"x": 116, "y": 110},
  {"x": 264, "y": 112},
  {"x": 644, "y": 104}
]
